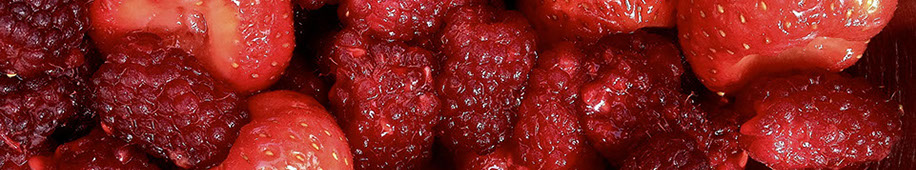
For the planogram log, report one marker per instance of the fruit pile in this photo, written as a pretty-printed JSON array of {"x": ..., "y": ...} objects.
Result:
[{"x": 456, "y": 84}]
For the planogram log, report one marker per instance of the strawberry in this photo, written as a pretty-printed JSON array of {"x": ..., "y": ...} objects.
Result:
[
  {"x": 817, "y": 120},
  {"x": 289, "y": 130},
  {"x": 589, "y": 20},
  {"x": 247, "y": 43},
  {"x": 729, "y": 43}
]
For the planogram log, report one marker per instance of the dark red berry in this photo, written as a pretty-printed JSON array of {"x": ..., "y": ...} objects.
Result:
[
  {"x": 818, "y": 120},
  {"x": 632, "y": 88},
  {"x": 500, "y": 158},
  {"x": 384, "y": 97},
  {"x": 402, "y": 20},
  {"x": 162, "y": 100},
  {"x": 488, "y": 54},
  {"x": 667, "y": 151},
  {"x": 303, "y": 77},
  {"x": 32, "y": 110},
  {"x": 12, "y": 159},
  {"x": 548, "y": 133},
  {"x": 39, "y": 36},
  {"x": 99, "y": 151}
]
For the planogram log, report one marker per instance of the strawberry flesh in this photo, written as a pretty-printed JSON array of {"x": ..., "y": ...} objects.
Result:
[
  {"x": 731, "y": 43},
  {"x": 245, "y": 43},
  {"x": 289, "y": 130}
]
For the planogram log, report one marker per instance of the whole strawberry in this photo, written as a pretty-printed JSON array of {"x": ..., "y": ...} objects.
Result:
[{"x": 729, "y": 43}]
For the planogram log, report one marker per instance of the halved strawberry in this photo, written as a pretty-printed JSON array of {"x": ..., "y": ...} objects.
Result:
[
  {"x": 289, "y": 130},
  {"x": 730, "y": 42},
  {"x": 247, "y": 43}
]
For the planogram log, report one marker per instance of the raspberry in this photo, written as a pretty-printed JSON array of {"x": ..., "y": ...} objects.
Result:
[
  {"x": 39, "y": 36},
  {"x": 99, "y": 151},
  {"x": 12, "y": 159},
  {"x": 667, "y": 151},
  {"x": 548, "y": 132},
  {"x": 402, "y": 20},
  {"x": 500, "y": 158},
  {"x": 488, "y": 56},
  {"x": 162, "y": 100},
  {"x": 384, "y": 97},
  {"x": 818, "y": 120},
  {"x": 393, "y": 19},
  {"x": 33, "y": 109},
  {"x": 632, "y": 85}
]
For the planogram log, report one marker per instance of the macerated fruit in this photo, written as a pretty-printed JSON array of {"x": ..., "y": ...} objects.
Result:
[
  {"x": 384, "y": 96},
  {"x": 246, "y": 43},
  {"x": 667, "y": 151},
  {"x": 589, "y": 20},
  {"x": 818, "y": 120},
  {"x": 162, "y": 100},
  {"x": 99, "y": 151},
  {"x": 39, "y": 36},
  {"x": 488, "y": 54},
  {"x": 548, "y": 134},
  {"x": 731, "y": 43},
  {"x": 32, "y": 110},
  {"x": 631, "y": 87},
  {"x": 289, "y": 130}
]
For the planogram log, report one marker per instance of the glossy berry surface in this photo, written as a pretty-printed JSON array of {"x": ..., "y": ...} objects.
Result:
[
  {"x": 289, "y": 130},
  {"x": 730, "y": 44},
  {"x": 162, "y": 100},
  {"x": 818, "y": 120},
  {"x": 33, "y": 110},
  {"x": 589, "y": 20},
  {"x": 38, "y": 37},
  {"x": 98, "y": 150},
  {"x": 488, "y": 54},
  {"x": 384, "y": 97}
]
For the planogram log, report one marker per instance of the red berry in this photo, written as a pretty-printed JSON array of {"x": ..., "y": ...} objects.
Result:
[
  {"x": 818, "y": 121},
  {"x": 488, "y": 54},
  {"x": 289, "y": 130},
  {"x": 32, "y": 110},
  {"x": 401, "y": 20},
  {"x": 385, "y": 99},
  {"x": 39, "y": 37},
  {"x": 162, "y": 100},
  {"x": 501, "y": 158},
  {"x": 632, "y": 86},
  {"x": 729, "y": 43},
  {"x": 667, "y": 151},
  {"x": 589, "y": 20},
  {"x": 548, "y": 133},
  {"x": 314, "y": 4},
  {"x": 99, "y": 151},
  {"x": 302, "y": 76},
  {"x": 246, "y": 43}
]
